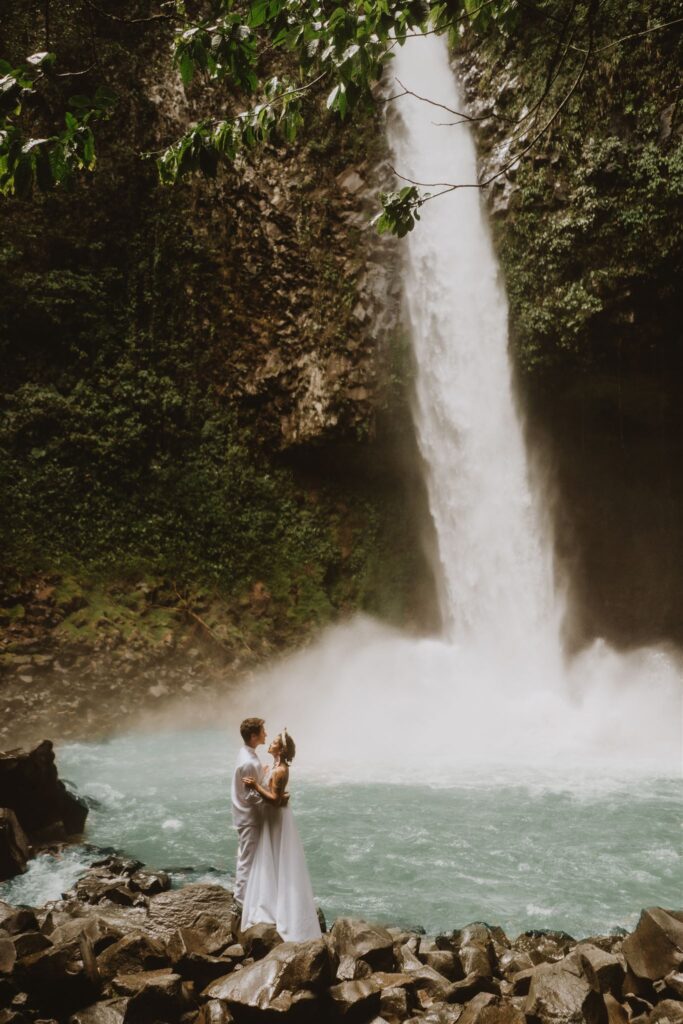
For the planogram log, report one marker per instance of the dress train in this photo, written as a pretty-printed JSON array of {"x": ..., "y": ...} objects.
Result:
[{"x": 279, "y": 888}]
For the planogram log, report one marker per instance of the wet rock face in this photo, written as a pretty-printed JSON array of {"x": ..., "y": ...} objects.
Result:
[
  {"x": 30, "y": 786},
  {"x": 14, "y": 846},
  {"x": 656, "y": 947},
  {"x": 179, "y": 957}
]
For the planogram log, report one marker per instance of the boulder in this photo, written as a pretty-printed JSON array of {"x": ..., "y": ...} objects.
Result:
[
  {"x": 656, "y": 946},
  {"x": 393, "y": 1003},
  {"x": 470, "y": 986},
  {"x": 560, "y": 993},
  {"x": 100, "y": 932},
  {"x": 426, "y": 978},
  {"x": 363, "y": 941},
  {"x": 110, "y": 1011},
  {"x": 356, "y": 1000},
  {"x": 605, "y": 971},
  {"x": 669, "y": 1010},
  {"x": 17, "y": 919},
  {"x": 30, "y": 786},
  {"x": 163, "y": 980},
  {"x": 616, "y": 1013},
  {"x": 500, "y": 1013},
  {"x": 150, "y": 883},
  {"x": 350, "y": 969},
  {"x": 207, "y": 909},
  {"x": 214, "y": 1012},
  {"x": 543, "y": 947},
  {"x": 444, "y": 961},
  {"x": 512, "y": 962},
  {"x": 136, "y": 951},
  {"x": 30, "y": 942},
  {"x": 8, "y": 954},
  {"x": 470, "y": 1014},
  {"x": 14, "y": 845},
  {"x": 293, "y": 973},
  {"x": 187, "y": 953},
  {"x": 674, "y": 983},
  {"x": 521, "y": 981},
  {"x": 477, "y": 958},
  {"x": 259, "y": 940},
  {"x": 55, "y": 980}
]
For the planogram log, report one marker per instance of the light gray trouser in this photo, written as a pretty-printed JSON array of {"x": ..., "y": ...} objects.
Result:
[{"x": 248, "y": 836}]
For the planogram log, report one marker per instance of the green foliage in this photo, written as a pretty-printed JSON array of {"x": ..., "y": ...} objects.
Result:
[
  {"x": 592, "y": 246},
  {"x": 26, "y": 160},
  {"x": 399, "y": 211},
  {"x": 345, "y": 48}
]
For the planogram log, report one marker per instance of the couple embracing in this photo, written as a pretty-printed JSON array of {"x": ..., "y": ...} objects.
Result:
[{"x": 272, "y": 884}]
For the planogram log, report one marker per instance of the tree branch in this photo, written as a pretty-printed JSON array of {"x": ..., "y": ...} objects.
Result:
[
  {"x": 633, "y": 35},
  {"x": 129, "y": 21}
]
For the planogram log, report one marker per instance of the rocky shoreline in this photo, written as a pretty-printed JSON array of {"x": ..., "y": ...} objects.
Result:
[{"x": 122, "y": 946}]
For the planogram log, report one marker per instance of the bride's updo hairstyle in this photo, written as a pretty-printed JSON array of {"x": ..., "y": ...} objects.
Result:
[{"x": 287, "y": 746}]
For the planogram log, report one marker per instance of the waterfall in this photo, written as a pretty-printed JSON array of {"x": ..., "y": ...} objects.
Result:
[
  {"x": 495, "y": 557},
  {"x": 495, "y": 690}
]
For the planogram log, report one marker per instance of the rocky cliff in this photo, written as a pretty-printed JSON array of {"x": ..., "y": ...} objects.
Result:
[
  {"x": 206, "y": 437},
  {"x": 206, "y": 424},
  {"x": 588, "y": 230}
]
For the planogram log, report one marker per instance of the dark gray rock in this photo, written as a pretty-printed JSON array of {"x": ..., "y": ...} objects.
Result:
[
  {"x": 350, "y": 969},
  {"x": 444, "y": 961},
  {"x": 8, "y": 954},
  {"x": 604, "y": 971},
  {"x": 214, "y": 1012},
  {"x": 656, "y": 946},
  {"x": 109, "y": 1011},
  {"x": 544, "y": 947},
  {"x": 674, "y": 983},
  {"x": 55, "y": 980},
  {"x": 669, "y": 1011},
  {"x": 362, "y": 941},
  {"x": 100, "y": 932},
  {"x": 14, "y": 845},
  {"x": 616, "y": 1013},
  {"x": 30, "y": 786},
  {"x": 207, "y": 909},
  {"x": 27, "y": 943},
  {"x": 150, "y": 883},
  {"x": 521, "y": 981},
  {"x": 292, "y": 974},
  {"x": 470, "y": 986},
  {"x": 560, "y": 993},
  {"x": 136, "y": 951},
  {"x": 17, "y": 919},
  {"x": 259, "y": 940},
  {"x": 426, "y": 978},
  {"x": 356, "y": 1000},
  {"x": 471, "y": 1012},
  {"x": 500, "y": 1013}
]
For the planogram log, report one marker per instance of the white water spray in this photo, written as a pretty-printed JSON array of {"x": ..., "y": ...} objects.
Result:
[{"x": 496, "y": 689}]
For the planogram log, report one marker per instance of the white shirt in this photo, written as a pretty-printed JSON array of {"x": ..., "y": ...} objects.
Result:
[{"x": 246, "y": 802}]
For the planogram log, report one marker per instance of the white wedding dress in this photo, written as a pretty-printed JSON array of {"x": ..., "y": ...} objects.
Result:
[{"x": 279, "y": 888}]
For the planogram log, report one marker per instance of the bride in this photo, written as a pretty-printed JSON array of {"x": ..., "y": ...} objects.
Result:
[{"x": 279, "y": 887}]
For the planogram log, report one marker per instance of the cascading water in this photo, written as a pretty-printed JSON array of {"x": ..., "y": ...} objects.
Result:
[
  {"x": 496, "y": 562},
  {"x": 501, "y": 813},
  {"x": 498, "y": 682}
]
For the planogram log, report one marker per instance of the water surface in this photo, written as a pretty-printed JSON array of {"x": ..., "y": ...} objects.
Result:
[{"x": 516, "y": 847}]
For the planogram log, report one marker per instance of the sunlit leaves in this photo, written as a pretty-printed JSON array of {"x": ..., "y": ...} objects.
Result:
[
  {"x": 44, "y": 161},
  {"x": 210, "y": 143},
  {"x": 345, "y": 47}
]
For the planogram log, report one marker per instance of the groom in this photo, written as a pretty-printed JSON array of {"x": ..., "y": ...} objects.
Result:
[{"x": 246, "y": 802}]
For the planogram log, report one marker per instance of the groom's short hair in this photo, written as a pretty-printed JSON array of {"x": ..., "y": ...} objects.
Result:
[{"x": 251, "y": 727}]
